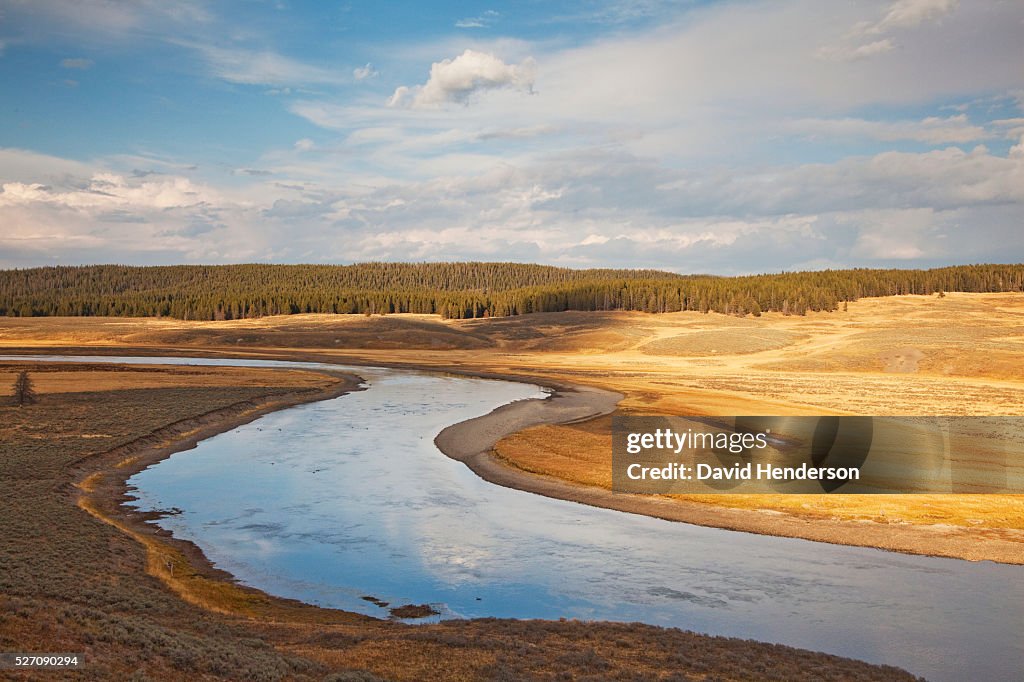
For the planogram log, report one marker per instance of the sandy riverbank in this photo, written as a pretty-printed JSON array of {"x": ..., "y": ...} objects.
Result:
[{"x": 472, "y": 442}]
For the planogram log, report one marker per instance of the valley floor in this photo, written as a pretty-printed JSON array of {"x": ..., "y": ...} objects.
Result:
[{"x": 961, "y": 354}]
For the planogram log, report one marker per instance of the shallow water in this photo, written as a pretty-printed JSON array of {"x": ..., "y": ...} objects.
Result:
[{"x": 331, "y": 501}]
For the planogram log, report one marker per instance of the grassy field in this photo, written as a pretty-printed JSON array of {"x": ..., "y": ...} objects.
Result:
[
  {"x": 79, "y": 575},
  {"x": 904, "y": 355},
  {"x": 582, "y": 453}
]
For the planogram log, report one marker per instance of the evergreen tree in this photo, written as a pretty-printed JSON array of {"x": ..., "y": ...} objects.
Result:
[{"x": 24, "y": 391}]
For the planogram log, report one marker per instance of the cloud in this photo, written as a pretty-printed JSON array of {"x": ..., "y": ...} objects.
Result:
[
  {"x": 77, "y": 63},
  {"x": 617, "y": 13},
  {"x": 595, "y": 207},
  {"x": 911, "y": 13},
  {"x": 364, "y": 72},
  {"x": 262, "y": 67},
  {"x": 847, "y": 53},
  {"x": 901, "y": 15},
  {"x": 931, "y": 130},
  {"x": 22, "y": 165},
  {"x": 98, "y": 22},
  {"x": 108, "y": 190},
  {"x": 1017, "y": 150},
  {"x": 456, "y": 80},
  {"x": 106, "y": 216},
  {"x": 304, "y": 145},
  {"x": 483, "y": 20}
]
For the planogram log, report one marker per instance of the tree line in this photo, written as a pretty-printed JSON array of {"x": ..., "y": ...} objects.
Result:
[{"x": 456, "y": 290}]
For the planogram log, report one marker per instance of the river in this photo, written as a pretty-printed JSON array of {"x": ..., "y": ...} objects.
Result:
[{"x": 332, "y": 501}]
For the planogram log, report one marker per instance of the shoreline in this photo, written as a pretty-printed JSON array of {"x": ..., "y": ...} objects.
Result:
[
  {"x": 472, "y": 443},
  {"x": 101, "y": 489}
]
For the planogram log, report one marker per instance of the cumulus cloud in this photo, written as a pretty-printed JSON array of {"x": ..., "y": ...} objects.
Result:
[{"x": 457, "y": 79}]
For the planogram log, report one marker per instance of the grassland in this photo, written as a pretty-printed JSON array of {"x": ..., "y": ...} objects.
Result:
[
  {"x": 903, "y": 355},
  {"x": 78, "y": 574}
]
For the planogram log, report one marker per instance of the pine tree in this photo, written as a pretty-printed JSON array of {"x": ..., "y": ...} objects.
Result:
[{"x": 24, "y": 392}]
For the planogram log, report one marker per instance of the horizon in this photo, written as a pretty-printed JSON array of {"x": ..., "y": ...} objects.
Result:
[{"x": 727, "y": 137}]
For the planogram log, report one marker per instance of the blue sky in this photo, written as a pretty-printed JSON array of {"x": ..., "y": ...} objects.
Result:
[{"x": 727, "y": 137}]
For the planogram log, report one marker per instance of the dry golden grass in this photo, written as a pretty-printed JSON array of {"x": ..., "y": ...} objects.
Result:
[
  {"x": 581, "y": 453},
  {"x": 905, "y": 355}
]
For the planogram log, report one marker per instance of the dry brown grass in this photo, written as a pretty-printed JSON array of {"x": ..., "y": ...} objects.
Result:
[
  {"x": 77, "y": 378},
  {"x": 721, "y": 342}
]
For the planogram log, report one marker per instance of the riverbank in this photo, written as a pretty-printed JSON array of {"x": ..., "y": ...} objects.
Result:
[
  {"x": 103, "y": 492},
  {"x": 112, "y": 601},
  {"x": 476, "y": 443}
]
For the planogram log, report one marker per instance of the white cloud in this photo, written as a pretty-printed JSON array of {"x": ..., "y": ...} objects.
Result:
[
  {"x": 932, "y": 130},
  {"x": 901, "y": 15},
  {"x": 304, "y": 145},
  {"x": 456, "y": 80},
  {"x": 108, "y": 190},
  {"x": 21, "y": 165},
  {"x": 76, "y": 63},
  {"x": 581, "y": 208},
  {"x": 364, "y": 72},
  {"x": 1012, "y": 128},
  {"x": 252, "y": 67},
  {"x": 481, "y": 21},
  {"x": 100, "y": 21},
  {"x": 855, "y": 52},
  {"x": 1017, "y": 150},
  {"x": 912, "y": 13}
]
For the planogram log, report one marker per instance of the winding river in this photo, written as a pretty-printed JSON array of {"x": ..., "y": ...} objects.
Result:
[{"x": 333, "y": 501}]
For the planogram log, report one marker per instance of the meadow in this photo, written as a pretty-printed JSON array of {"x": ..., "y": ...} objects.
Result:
[{"x": 955, "y": 354}]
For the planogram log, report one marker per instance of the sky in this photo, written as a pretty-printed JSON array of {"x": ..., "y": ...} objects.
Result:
[{"x": 729, "y": 137}]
